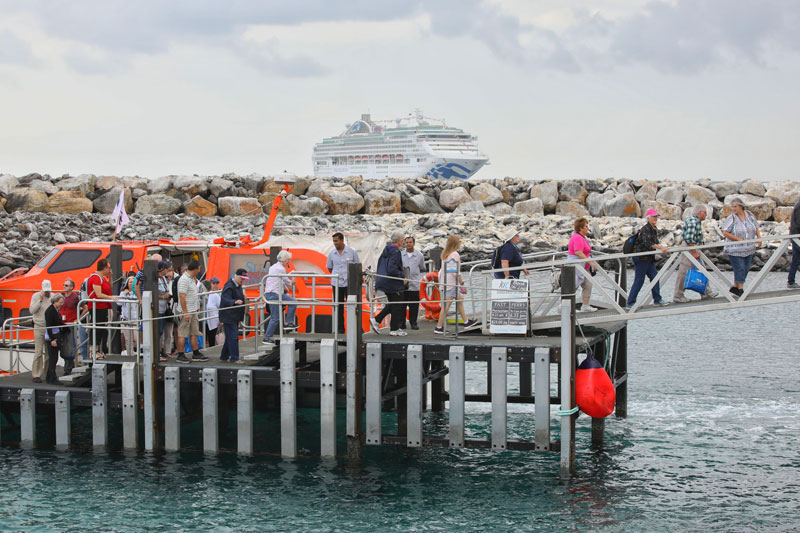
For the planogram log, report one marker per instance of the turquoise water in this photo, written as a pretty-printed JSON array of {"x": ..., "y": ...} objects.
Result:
[{"x": 711, "y": 442}]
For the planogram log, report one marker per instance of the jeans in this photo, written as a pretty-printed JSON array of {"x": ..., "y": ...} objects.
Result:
[
  {"x": 274, "y": 312},
  {"x": 643, "y": 268},
  {"x": 795, "y": 262},
  {"x": 230, "y": 349},
  {"x": 83, "y": 340},
  {"x": 741, "y": 266}
]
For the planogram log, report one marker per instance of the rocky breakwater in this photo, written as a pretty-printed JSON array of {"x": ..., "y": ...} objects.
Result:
[{"x": 38, "y": 211}]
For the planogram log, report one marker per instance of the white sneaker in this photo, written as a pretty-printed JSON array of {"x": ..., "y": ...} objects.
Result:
[
  {"x": 588, "y": 308},
  {"x": 680, "y": 300},
  {"x": 398, "y": 333},
  {"x": 376, "y": 327}
]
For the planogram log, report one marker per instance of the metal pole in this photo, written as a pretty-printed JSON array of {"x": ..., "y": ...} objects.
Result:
[
  {"x": 621, "y": 366},
  {"x": 210, "y": 410},
  {"x": 151, "y": 285},
  {"x": 27, "y": 417},
  {"x": 244, "y": 411},
  {"x": 457, "y": 388},
  {"x": 354, "y": 366},
  {"x": 288, "y": 393},
  {"x": 153, "y": 398},
  {"x": 414, "y": 395},
  {"x": 327, "y": 396},
  {"x": 99, "y": 405},
  {"x": 567, "y": 370},
  {"x": 115, "y": 257},
  {"x": 172, "y": 409},
  {"x": 63, "y": 419},
  {"x": 374, "y": 393},
  {"x": 499, "y": 390},
  {"x": 130, "y": 407}
]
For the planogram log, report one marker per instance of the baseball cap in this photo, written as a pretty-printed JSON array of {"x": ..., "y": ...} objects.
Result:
[
  {"x": 651, "y": 213},
  {"x": 242, "y": 273},
  {"x": 46, "y": 285},
  {"x": 215, "y": 279}
]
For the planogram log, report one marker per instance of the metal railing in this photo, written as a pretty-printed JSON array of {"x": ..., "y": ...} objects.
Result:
[{"x": 330, "y": 281}]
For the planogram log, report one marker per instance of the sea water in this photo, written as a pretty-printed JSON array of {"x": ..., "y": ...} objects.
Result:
[{"x": 711, "y": 442}]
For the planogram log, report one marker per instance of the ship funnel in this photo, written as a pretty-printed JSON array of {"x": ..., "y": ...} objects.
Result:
[{"x": 366, "y": 118}]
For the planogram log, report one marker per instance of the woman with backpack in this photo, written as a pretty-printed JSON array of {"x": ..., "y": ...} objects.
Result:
[{"x": 646, "y": 241}]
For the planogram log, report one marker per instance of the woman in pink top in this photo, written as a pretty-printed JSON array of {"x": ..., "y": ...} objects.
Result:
[{"x": 579, "y": 248}]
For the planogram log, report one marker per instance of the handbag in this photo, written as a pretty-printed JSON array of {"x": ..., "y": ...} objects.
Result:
[{"x": 695, "y": 281}]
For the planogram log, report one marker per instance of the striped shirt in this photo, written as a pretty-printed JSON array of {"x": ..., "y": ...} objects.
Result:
[
  {"x": 188, "y": 285},
  {"x": 746, "y": 230}
]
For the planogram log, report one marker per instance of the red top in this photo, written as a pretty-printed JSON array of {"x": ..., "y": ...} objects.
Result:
[
  {"x": 69, "y": 311},
  {"x": 104, "y": 286}
]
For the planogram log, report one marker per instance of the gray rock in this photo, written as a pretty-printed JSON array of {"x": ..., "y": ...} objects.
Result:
[
  {"x": 699, "y": 195},
  {"x": 786, "y": 194},
  {"x": 83, "y": 183},
  {"x": 547, "y": 192},
  {"x": 593, "y": 185},
  {"x": 305, "y": 206},
  {"x": 254, "y": 182},
  {"x": 106, "y": 202},
  {"x": 160, "y": 185},
  {"x": 752, "y": 187},
  {"x": 191, "y": 185},
  {"x": 26, "y": 199},
  {"x": 486, "y": 193},
  {"x": 8, "y": 183},
  {"x": 572, "y": 191},
  {"x": 532, "y": 207},
  {"x": 135, "y": 183},
  {"x": 647, "y": 192},
  {"x": 378, "y": 202},
  {"x": 623, "y": 206},
  {"x": 221, "y": 187},
  {"x": 725, "y": 188},
  {"x": 499, "y": 209},
  {"x": 45, "y": 186},
  {"x": 475, "y": 206},
  {"x": 671, "y": 195},
  {"x": 422, "y": 204},
  {"x": 341, "y": 200},
  {"x": 238, "y": 206},
  {"x": 450, "y": 199},
  {"x": 157, "y": 204},
  {"x": 104, "y": 183},
  {"x": 595, "y": 202},
  {"x": 571, "y": 209}
]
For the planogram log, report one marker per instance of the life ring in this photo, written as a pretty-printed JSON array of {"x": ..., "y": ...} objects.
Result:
[{"x": 429, "y": 294}]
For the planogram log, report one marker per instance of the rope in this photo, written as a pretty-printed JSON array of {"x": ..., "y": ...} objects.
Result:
[{"x": 569, "y": 412}]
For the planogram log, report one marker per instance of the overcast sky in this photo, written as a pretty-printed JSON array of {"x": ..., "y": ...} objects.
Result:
[{"x": 677, "y": 89}]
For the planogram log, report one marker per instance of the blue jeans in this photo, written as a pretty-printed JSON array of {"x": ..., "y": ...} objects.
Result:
[
  {"x": 741, "y": 266},
  {"x": 795, "y": 262},
  {"x": 643, "y": 268},
  {"x": 230, "y": 350},
  {"x": 83, "y": 340},
  {"x": 274, "y": 312}
]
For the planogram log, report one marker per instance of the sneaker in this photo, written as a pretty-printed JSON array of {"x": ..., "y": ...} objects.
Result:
[
  {"x": 239, "y": 362},
  {"x": 163, "y": 359},
  {"x": 374, "y": 323},
  {"x": 660, "y": 303},
  {"x": 438, "y": 330},
  {"x": 290, "y": 327},
  {"x": 708, "y": 295},
  {"x": 628, "y": 307},
  {"x": 586, "y": 308},
  {"x": 681, "y": 300},
  {"x": 792, "y": 285},
  {"x": 414, "y": 327},
  {"x": 265, "y": 340},
  {"x": 182, "y": 358},
  {"x": 199, "y": 357},
  {"x": 398, "y": 333},
  {"x": 470, "y": 323}
]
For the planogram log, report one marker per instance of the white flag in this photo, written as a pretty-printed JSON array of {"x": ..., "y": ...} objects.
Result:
[{"x": 119, "y": 214}]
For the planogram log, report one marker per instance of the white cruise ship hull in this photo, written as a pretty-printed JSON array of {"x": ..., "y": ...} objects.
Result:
[{"x": 439, "y": 168}]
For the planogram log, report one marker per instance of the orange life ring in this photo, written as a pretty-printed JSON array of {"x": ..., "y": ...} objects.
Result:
[{"x": 429, "y": 294}]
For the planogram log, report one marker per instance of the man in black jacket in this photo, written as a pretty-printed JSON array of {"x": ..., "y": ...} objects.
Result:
[
  {"x": 231, "y": 312},
  {"x": 390, "y": 281},
  {"x": 794, "y": 228}
]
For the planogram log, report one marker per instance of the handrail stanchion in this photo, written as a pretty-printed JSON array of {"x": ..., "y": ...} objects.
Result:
[
  {"x": 354, "y": 402},
  {"x": 152, "y": 395},
  {"x": 567, "y": 410}
]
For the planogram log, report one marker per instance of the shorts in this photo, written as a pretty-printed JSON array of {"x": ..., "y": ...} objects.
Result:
[
  {"x": 190, "y": 328},
  {"x": 451, "y": 293}
]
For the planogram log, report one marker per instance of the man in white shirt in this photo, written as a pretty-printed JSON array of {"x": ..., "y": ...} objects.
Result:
[
  {"x": 39, "y": 304},
  {"x": 274, "y": 292},
  {"x": 338, "y": 260},
  {"x": 414, "y": 266},
  {"x": 189, "y": 325}
]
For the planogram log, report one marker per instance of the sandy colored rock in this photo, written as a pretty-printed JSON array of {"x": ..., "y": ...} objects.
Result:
[
  {"x": 752, "y": 187},
  {"x": 700, "y": 195},
  {"x": 341, "y": 200},
  {"x": 499, "y": 209},
  {"x": 785, "y": 194},
  {"x": 200, "y": 206},
  {"x": 238, "y": 206},
  {"x": 26, "y": 199},
  {"x": 379, "y": 202},
  {"x": 104, "y": 183},
  {"x": 450, "y": 199},
  {"x": 665, "y": 210},
  {"x": 572, "y": 191},
  {"x": 782, "y": 214},
  {"x": 547, "y": 192},
  {"x": 624, "y": 205},
  {"x": 532, "y": 207},
  {"x": 647, "y": 192},
  {"x": 69, "y": 203},
  {"x": 475, "y": 206},
  {"x": 571, "y": 209},
  {"x": 486, "y": 193},
  {"x": 725, "y": 188},
  {"x": 83, "y": 183},
  {"x": 305, "y": 206}
]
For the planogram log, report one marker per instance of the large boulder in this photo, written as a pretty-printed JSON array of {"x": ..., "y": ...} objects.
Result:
[
  {"x": 647, "y": 192},
  {"x": 752, "y": 187},
  {"x": 106, "y": 202},
  {"x": 69, "y": 203},
  {"x": 221, "y": 187},
  {"x": 666, "y": 211},
  {"x": 341, "y": 200},
  {"x": 200, "y": 206},
  {"x": 26, "y": 199},
  {"x": 160, "y": 185},
  {"x": 305, "y": 206},
  {"x": 378, "y": 202},
  {"x": 8, "y": 183},
  {"x": 422, "y": 204},
  {"x": 254, "y": 182},
  {"x": 104, "y": 183},
  {"x": 786, "y": 194},
  {"x": 624, "y": 205},
  {"x": 45, "y": 186},
  {"x": 572, "y": 191},
  {"x": 547, "y": 192},
  {"x": 136, "y": 183},
  {"x": 571, "y": 209},
  {"x": 724, "y": 188},
  {"x": 191, "y": 185},
  {"x": 157, "y": 204},
  {"x": 486, "y": 193},
  {"x": 671, "y": 195},
  {"x": 84, "y": 183},
  {"x": 532, "y": 207},
  {"x": 595, "y": 202},
  {"x": 238, "y": 206},
  {"x": 782, "y": 214},
  {"x": 475, "y": 206},
  {"x": 268, "y": 198},
  {"x": 760, "y": 207},
  {"x": 700, "y": 195},
  {"x": 452, "y": 198},
  {"x": 499, "y": 209}
]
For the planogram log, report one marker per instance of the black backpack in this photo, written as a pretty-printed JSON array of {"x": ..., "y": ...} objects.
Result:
[
  {"x": 630, "y": 243},
  {"x": 496, "y": 261}
]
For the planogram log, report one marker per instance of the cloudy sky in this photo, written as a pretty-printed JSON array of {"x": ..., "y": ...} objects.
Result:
[{"x": 553, "y": 88}]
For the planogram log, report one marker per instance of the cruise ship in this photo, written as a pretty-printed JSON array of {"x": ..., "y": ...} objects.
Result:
[{"x": 411, "y": 147}]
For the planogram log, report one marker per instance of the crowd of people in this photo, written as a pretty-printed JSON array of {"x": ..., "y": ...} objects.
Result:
[{"x": 61, "y": 324}]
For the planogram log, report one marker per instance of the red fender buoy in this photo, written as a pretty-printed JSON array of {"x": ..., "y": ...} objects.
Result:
[
  {"x": 594, "y": 391},
  {"x": 429, "y": 295}
]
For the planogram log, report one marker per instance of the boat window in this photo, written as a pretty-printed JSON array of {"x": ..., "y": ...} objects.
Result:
[
  {"x": 74, "y": 260},
  {"x": 47, "y": 258},
  {"x": 127, "y": 255}
]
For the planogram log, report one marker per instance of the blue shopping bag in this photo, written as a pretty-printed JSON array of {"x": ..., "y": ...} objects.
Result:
[{"x": 695, "y": 281}]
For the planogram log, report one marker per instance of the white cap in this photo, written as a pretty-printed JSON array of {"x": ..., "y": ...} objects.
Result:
[{"x": 46, "y": 285}]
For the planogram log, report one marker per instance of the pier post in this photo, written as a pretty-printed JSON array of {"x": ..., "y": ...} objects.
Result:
[
  {"x": 620, "y": 368},
  {"x": 151, "y": 285},
  {"x": 210, "y": 410},
  {"x": 27, "y": 417},
  {"x": 354, "y": 396},
  {"x": 437, "y": 388},
  {"x": 525, "y": 381},
  {"x": 327, "y": 397},
  {"x": 567, "y": 370},
  {"x": 288, "y": 400},
  {"x": 130, "y": 407},
  {"x": 99, "y": 405},
  {"x": 117, "y": 276},
  {"x": 244, "y": 411},
  {"x": 499, "y": 373},
  {"x": 63, "y": 420},
  {"x": 172, "y": 408},
  {"x": 153, "y": 399},
  {"x": 457, "y": 385},
  {"x": 414, "y": 395},
  {"x": 374, "y": 393},
  {"x": 542, "y": 399}
]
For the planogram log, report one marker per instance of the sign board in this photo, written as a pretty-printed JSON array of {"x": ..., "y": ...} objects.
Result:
[{"x": 509, "y": 310}]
